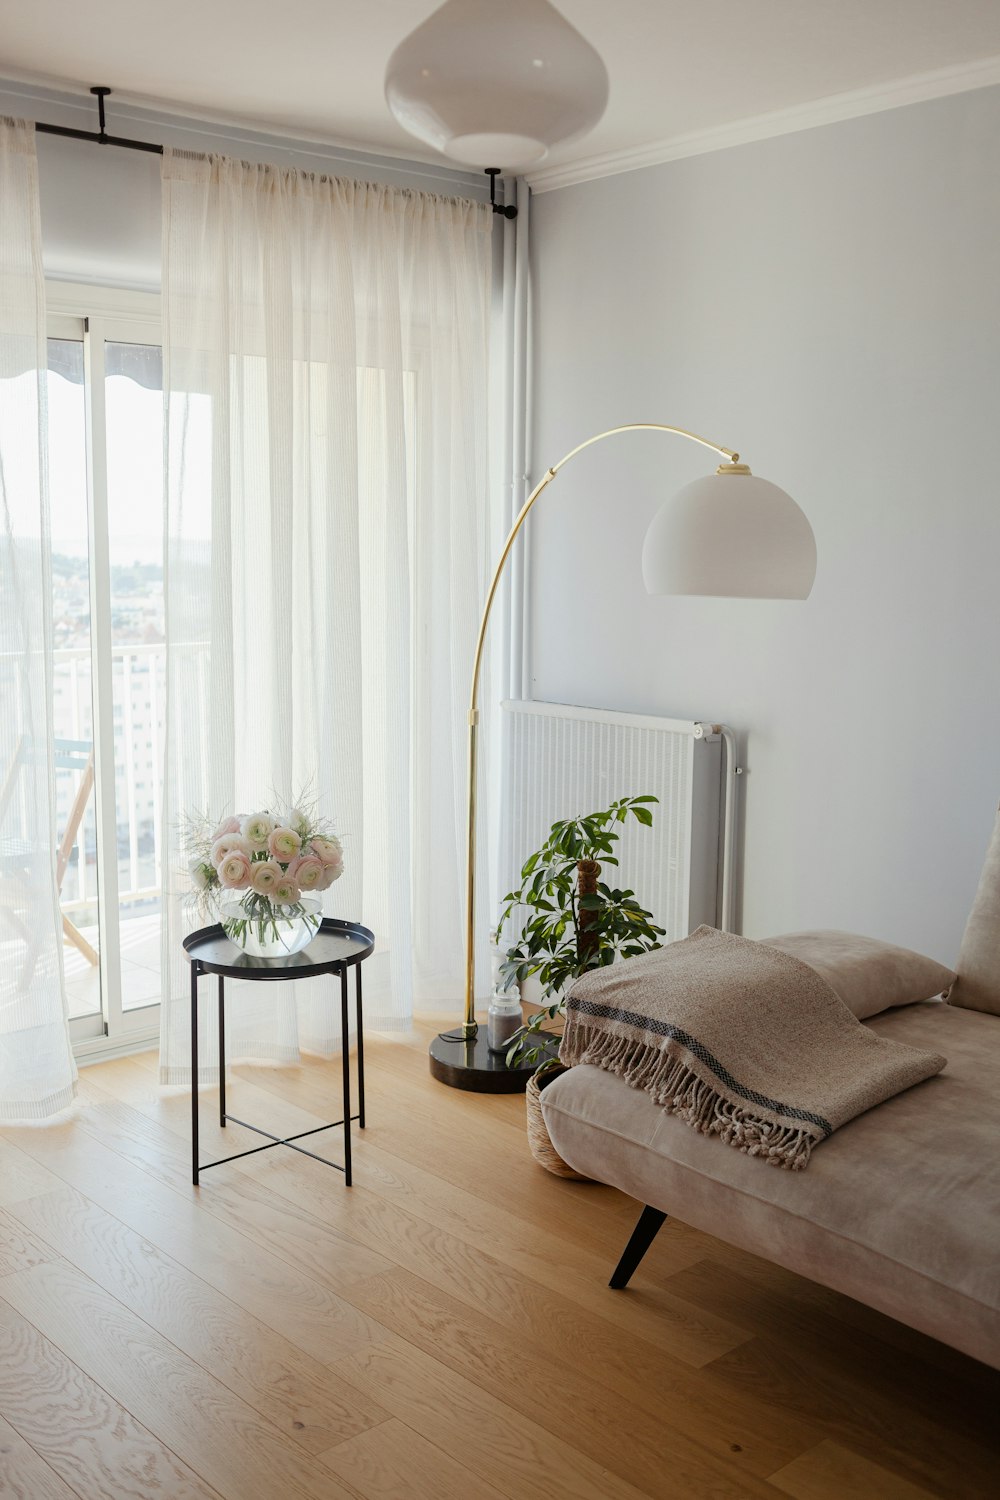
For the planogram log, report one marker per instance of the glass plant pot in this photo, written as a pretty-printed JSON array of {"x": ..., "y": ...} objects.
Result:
[{"x": 266, "y": 930}]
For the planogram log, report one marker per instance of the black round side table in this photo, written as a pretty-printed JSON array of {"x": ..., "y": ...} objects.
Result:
[{"x": 337, "y": 947}]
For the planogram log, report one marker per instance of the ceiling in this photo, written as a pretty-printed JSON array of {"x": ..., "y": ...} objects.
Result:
[{"x": 678, "y": 68}]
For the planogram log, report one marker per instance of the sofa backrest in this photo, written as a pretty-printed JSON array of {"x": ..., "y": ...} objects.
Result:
[{"x": 978, "y": 984}]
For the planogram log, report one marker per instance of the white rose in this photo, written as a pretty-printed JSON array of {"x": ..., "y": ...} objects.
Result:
[
  {"x": 286, "y": 892},
  {"x": 201, "y": 873}
]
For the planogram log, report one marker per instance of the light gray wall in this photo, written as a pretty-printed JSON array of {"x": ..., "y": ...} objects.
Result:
[{"x": 828, "y": 303}]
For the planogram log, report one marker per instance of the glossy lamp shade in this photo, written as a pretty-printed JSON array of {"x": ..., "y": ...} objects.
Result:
[
  {"x": 496, "y": 82},
  {"x": 730, "y": 535}
]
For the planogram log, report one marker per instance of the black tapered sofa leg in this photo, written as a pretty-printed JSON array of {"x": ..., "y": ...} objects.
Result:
[{"x": 643, "y": 1235}]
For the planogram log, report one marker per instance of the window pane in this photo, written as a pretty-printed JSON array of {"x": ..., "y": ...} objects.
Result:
[
  {"x": 76, "y": 826},
  {"x": 134, "y": 401}
]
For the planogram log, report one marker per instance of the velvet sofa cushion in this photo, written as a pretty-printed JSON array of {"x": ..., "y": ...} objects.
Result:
[
  {"x": 978, "y": 984},
  {"x": 869, "y": 976}
]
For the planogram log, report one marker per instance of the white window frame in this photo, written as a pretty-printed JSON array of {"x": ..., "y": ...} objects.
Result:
[{"x": 97, "y": 315}]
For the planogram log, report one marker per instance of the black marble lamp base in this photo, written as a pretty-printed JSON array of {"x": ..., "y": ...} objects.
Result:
[{"x": 471, "y": 1065}]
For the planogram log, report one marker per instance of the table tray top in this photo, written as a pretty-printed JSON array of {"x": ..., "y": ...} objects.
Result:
[{"x": 336, "y": 945}]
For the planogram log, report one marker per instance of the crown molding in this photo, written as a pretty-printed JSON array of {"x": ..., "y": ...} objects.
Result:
[{"x": 916, "y": 89}]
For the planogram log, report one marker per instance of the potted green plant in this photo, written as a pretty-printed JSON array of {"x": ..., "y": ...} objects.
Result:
[{"x": 574, "y": 922}]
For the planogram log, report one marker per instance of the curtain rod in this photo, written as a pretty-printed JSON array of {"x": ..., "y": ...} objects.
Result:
[{"x": 100, "y": 136}]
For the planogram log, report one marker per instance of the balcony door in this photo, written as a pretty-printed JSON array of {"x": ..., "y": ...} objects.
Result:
[{"x": 106, "y": 471}]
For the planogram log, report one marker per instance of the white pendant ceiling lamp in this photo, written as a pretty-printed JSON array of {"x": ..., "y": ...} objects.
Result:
[{"x": 496, "y": 82}]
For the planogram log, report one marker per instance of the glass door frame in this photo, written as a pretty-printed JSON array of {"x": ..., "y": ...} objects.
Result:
[{"x": 97, "y": 316}]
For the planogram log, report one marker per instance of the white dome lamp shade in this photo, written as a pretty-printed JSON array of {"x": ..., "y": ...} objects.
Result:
[
  {"x": 496, "y": 82},
  {"x": 730, "y": 535}
]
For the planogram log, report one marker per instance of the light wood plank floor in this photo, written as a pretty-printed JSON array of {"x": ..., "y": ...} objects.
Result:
[{"x": 441, "y": 1331}]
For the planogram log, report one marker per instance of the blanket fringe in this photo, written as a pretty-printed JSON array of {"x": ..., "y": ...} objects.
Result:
[{"x": 670, "y": 1081}]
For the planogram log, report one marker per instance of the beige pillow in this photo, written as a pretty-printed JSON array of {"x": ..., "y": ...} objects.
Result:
[
  {"x": 869, "y": 976},
  {"x": 978, "y": 984}
]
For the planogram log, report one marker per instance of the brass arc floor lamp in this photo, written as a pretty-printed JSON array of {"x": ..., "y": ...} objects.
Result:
[{"x": 729, "y": 535}]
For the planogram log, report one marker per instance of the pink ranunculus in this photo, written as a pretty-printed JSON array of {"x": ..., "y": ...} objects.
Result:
[
  {"x": 228, "y": 825},
  {"x": 264, "y": 876},
  {"x": 308, "y": 871},
  {"x": 331, "y": 872},
  {"x": 328, "y": 850},
  {"x": 235, "y": 870},
  {"x": 284, "y": 844},
  {"x": 286, "y": 892},
  {"x": 229, "y": 843}
]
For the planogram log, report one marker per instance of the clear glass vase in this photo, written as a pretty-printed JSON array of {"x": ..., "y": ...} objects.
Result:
[{"x": 268, "y": 930}]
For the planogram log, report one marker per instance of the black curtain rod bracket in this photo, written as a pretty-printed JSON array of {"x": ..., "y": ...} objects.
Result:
[
  {"x": 509, "y": 210},
  {"x": 99, "y": 137}
]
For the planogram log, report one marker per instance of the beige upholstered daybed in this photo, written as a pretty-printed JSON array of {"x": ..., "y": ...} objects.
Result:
[{"x": 899, "y": 1209}]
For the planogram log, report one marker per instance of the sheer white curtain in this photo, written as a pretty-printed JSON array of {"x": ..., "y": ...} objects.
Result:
[
  {"x": 37, "y": 1072},
  {"x": 326, "y": 367}
]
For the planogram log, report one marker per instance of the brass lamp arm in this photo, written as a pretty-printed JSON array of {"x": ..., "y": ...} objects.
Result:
[{"x": 469, "y": 1023}]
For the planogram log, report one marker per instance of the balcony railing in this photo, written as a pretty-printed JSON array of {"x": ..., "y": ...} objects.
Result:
[{"x": 139, "y": 677}]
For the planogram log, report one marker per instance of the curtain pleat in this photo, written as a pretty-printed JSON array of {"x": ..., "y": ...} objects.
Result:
[
  {"x": 37, "y": 1072},
  {"x": 327, "y": 538}
]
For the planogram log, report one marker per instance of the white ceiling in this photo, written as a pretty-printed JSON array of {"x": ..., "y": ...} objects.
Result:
[{"x": 678, "y": 68}]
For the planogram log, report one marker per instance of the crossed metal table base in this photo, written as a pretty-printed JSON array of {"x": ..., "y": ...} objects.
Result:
[{"x": 337, "y": 947}]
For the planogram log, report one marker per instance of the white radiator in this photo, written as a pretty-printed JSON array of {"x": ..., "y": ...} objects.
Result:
[{"x": 562, "y": 762}]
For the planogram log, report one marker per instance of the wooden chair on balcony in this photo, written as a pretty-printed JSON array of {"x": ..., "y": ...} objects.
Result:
[{"x": 70, "y": 755}]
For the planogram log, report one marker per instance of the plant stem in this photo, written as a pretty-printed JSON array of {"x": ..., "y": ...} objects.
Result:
[{"x": 588, "y": 934}]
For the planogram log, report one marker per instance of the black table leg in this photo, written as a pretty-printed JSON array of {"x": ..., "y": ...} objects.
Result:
[
  {"x": 345, "y": 1053},
  {"x": 222, "y": 1052},
  {"x": 361, "y": 1048},
  {"x": 194, "y": 1073}
]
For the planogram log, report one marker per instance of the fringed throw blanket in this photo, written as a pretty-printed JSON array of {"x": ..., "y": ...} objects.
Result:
[{"x": 738, "y": 1040}]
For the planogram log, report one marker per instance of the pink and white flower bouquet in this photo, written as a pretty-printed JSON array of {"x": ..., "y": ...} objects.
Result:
[{"x": 265, "y": 872}]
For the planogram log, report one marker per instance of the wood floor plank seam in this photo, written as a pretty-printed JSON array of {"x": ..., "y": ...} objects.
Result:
[
  {"x": 155, "y": 1445},
  {"x": 166, "y": 1230},
  {"x": 372, "y": 1479},
  {"x": 232, "y": 1378},
  {"x": 294, "y": 1471},
  {"x": 55, "y": 1344},
  {"x": 21, "y": 1461},
  {"x": 174, "y": 1173},
  {"x": 214, "y": 1193},
  {"x": 498, "y": 1430},
  {"x": 599, "y": 1415}
]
